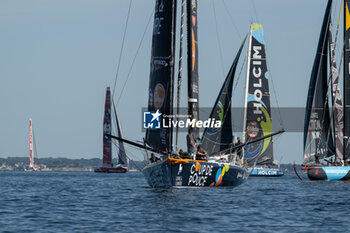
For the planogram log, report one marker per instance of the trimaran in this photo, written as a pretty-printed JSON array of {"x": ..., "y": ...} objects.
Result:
[{"x": 170, "y": 170}]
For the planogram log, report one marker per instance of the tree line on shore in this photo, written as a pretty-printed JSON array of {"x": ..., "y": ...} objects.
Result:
[
  {"x": 20, "y": 163},
  {"x": 56, "y": 163}
]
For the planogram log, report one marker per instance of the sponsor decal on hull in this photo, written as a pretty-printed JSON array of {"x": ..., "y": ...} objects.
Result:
[{"x": 199, "y": 174}]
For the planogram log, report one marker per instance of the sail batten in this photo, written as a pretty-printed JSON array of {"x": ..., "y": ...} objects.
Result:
[
  {"x": 161, "y": 83},
  {"x": 216, "y": 140}
]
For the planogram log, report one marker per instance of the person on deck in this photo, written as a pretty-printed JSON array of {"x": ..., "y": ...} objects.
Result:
[
  {"x": 201, "y": 154},
  {"x": 181, "y": 152},
  {"x": 317, "y": 156},
  {"x": 239, "y": 150},
  {"x": 153, "y": 158},
  {"x": 184, "y": 155},
  {"x": 190, "y": 143}
]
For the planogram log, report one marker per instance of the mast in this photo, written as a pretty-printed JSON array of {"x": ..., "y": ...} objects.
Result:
[
  {"x": 337, "y": 105},
  {"x": 31, "y": 152},
  {"x": 257, "y": 118},
  {"x": 179, "y": 77},
  {"x": 346, "y": 80},
  {"x": 215, "y": 140},
  {"x": 246, "y": 87},
  {"x": 107, "y": 129},
  {"x": 161, "y": 82},
  {"x": 192, "y": 63},
  {"x": 317, "y": 132}
]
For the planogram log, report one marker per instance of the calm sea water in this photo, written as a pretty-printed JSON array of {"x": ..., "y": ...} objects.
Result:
[{"x": 89, "y": 202}]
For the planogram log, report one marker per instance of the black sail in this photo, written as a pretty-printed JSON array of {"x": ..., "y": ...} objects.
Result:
[
  {"x": 192, "y": 63},
  {"x": 317, "y": 132},
  {"x": 162, "y": 72},
  {"x": 257, "y": 117},
  {"x": 215, "y": 140},
  {"x": 346, "y": 80},
  {"x": 122, "y": 158}
]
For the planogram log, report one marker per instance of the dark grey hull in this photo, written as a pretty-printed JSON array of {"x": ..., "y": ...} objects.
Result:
[{"x": 194, "y": 173}]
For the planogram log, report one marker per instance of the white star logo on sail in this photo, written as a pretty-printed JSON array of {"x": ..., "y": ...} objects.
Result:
[{"x": 156, "y": 115}]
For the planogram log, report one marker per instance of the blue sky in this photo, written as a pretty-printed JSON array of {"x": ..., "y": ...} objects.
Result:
[{"x": 57, "y": 57}]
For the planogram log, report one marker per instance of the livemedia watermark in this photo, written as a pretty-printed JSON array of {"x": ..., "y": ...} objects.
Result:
[{"x": 291, "y": 119}]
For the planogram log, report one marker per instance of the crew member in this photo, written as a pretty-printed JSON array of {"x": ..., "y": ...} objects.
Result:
[
  {"x": 317, "y": 156},
  {"x": 190, "y": 143},
  {"x": 153, "y": 158},
  {"x": 201, "y": 154}
]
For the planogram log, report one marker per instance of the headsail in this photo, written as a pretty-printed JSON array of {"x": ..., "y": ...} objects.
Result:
[
  {"x": 216, "y": 140},
  {"x": 317, "y": 133},
  {"x": 337, "y": 105},
  {"x": 257, "y": 115},
  {"x": 122, "y": 159},
  {"x": 107, "y": 129},
  {"x": 346, "y": 80},
  {"x": 162, "y": 72},
  {"x": 192, "y": 64},
  {"x": 31, "y": 152}
]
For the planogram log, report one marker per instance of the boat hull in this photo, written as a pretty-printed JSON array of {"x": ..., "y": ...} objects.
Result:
[
  {"x": 270, "y": 172},
  {"x": 111, "y": 170},
  {"x": 186, "y": 173},
  {"x": 328, "y": 173}
]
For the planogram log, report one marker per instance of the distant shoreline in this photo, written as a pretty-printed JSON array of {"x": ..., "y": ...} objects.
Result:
[
  {"x": 78, "y": 165},
  {"x": 60, "y": 164},
  {"x": 61, "y": 170}
]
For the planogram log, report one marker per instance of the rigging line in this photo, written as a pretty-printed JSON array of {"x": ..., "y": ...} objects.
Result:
[
  {"x": 340, "y": 13},
  {"x": 134, "y": 59},
  {"x": 218, "y": 39},
  {"x": 117, "y": 128},
  {"x": 236, "y": 84},
  {"x": 340, "y": 62},
  {"x": 274, "y": 91},
  {"x": 334, "y": 6},
  {"x": 255, "y": 12},
  {"x": 240, "y": 72},
  {"x": 122, "y": 48},
  {"x": 232, "y": 21}
]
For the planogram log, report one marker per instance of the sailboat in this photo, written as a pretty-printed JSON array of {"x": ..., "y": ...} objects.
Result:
[
  {"x": 164, "y": 166},
  {"x": 107, "y": 166},
  {"x": 31, "y": 148},
  {"x": 257, "y": 113},
  {"x": 327, "y": 121},
  {"x": 257, "y": 109}
]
